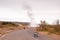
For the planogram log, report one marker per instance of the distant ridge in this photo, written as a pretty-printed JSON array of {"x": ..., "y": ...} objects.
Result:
[{"x": 25, "y": 23}]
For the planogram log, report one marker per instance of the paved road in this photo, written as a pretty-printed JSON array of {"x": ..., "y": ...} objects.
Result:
[{"x": 25, "y": 35}]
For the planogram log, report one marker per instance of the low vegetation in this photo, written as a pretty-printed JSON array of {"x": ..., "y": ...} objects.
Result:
[
  {"x": 6, "y": 27},
  {"x": 49, "y": 28}
]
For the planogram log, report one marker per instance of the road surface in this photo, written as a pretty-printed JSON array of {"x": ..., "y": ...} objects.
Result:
[{"x": 26, "y": 35}]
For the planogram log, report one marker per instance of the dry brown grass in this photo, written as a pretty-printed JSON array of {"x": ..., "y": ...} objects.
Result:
[
  {"x": 9, "y": 27},
  {"x": 49, "y": 28}
]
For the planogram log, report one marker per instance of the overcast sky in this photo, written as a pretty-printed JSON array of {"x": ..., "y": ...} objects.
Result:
[{"x": 12, "y": 10}]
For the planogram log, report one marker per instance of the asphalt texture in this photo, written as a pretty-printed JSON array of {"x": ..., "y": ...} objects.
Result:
[{"x": 26, "y": 35}]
